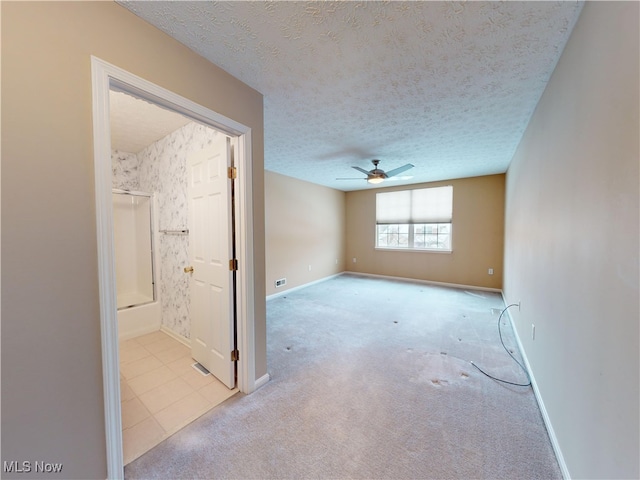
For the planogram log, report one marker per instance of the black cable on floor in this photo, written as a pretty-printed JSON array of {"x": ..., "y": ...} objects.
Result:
[{"x": 510, "y": 354}]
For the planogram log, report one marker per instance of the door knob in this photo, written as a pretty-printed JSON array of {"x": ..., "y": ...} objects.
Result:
[{"x": 188, "y": 269}]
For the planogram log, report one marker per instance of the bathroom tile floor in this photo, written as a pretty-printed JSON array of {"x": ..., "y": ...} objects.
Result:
[{"x": 160, "y": 391}]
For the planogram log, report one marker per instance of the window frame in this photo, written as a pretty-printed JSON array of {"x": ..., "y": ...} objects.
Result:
[{"x": 411, "y": 228}]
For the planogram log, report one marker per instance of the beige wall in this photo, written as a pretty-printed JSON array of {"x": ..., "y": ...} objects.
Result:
[
  {"x": 305, "y": 225},
  {"x": 52, "y": 399},
  {"x": 478, "y": 218},
  {"x": 571, "y": 249}
]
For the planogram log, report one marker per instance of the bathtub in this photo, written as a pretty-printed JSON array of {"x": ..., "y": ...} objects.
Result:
[{"x": 134, "y": 229}]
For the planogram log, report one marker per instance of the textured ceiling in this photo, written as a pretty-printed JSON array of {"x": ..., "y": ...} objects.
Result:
[
  {"x": 446, "y": 86},
  {"x": 136, "y": 124}
]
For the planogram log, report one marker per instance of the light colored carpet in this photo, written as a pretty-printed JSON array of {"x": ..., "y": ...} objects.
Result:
[{"x": 370, "y": 379}]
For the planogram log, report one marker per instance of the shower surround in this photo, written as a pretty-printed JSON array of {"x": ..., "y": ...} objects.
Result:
[{"x": 161, "y": 168}]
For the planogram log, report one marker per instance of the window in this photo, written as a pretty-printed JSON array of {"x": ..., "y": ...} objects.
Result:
[{"x": 415, "y": 219}]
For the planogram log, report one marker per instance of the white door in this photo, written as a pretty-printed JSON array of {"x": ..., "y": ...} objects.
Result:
[{"x": 210, "y": 250}]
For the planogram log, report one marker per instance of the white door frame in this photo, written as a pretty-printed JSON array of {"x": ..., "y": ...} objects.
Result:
[{"x": 104, "y": 78}]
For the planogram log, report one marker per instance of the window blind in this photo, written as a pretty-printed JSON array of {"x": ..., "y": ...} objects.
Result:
[{"x": 425, "y": 205}]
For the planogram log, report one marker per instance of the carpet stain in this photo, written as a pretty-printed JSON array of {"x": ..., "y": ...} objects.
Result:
[
  {"x": 440, "y": 369},
  {"x": 376, "y": 414}
]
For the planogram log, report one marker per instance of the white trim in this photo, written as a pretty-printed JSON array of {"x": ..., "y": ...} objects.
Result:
[
  {"x": 244, "y": 253},
  {"x": 106, "y": 77},
  {"x": 414, "y": 250},
  {"x": 262, "y": 381},
  {"x": 176, "y": 336},
  {"x": 545, "y": 416},
  {"x": 299, "y": 287},
  {"x": 428, "y": 282},
  {"x": 106, "y": 271}
]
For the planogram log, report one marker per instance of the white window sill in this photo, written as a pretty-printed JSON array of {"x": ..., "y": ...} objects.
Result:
[{"x": 413, "y": 250}]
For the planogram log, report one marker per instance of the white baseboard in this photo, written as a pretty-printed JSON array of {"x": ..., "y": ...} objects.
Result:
[
  {"x": 388, "y": 277},
  {"x": 545, "y": 416},
  {"x": 176, "y": 336},
  {"x": 428, "y": 282},
  {"x": 299, "y": 287},
  {"x": 262, "y": 381}
]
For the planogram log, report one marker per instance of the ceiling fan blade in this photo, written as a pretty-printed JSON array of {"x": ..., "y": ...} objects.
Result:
[
  {"x": 351, "y": 178},
  {"x": 398, "y": 170},
  {"x": 366, "y": 172}
]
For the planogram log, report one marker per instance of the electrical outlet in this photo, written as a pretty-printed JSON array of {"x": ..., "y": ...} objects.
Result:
[
  {"x": 280, "y": 282},
  {"x": 354, "y": 259},
  {"x": 309, "y": 267},
  {"x": 491, "y": 271},
  {"x": 533, "y": 332}
]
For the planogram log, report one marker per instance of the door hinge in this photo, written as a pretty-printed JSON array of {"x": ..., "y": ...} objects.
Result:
[
  {"x": 232, "y": 172},
  {"x": 233, "y": 264},
  {"x": 235, "y": 355}
]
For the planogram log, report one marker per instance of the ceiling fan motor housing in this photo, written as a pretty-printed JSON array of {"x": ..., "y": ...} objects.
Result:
[{"x": 377, "y": 175}]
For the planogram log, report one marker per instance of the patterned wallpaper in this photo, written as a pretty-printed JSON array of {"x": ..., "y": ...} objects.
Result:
[
  {"x": 161, "y": 168},
  {"x": 125, "y": 170}
]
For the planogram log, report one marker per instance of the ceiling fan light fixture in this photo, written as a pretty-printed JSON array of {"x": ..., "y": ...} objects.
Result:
[{"x": 377, "y": 175}]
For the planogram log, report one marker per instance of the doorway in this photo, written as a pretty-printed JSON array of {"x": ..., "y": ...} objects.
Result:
[
  {"x": 106, "y": 77},
  {"x": 161, "y": 337}
]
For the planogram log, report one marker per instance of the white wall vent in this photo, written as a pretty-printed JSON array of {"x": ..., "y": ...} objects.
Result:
[{"x": 281, "y": 282}]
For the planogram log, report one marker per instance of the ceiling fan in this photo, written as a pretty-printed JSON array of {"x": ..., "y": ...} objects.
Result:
[{"x": 377, "y": 175}]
